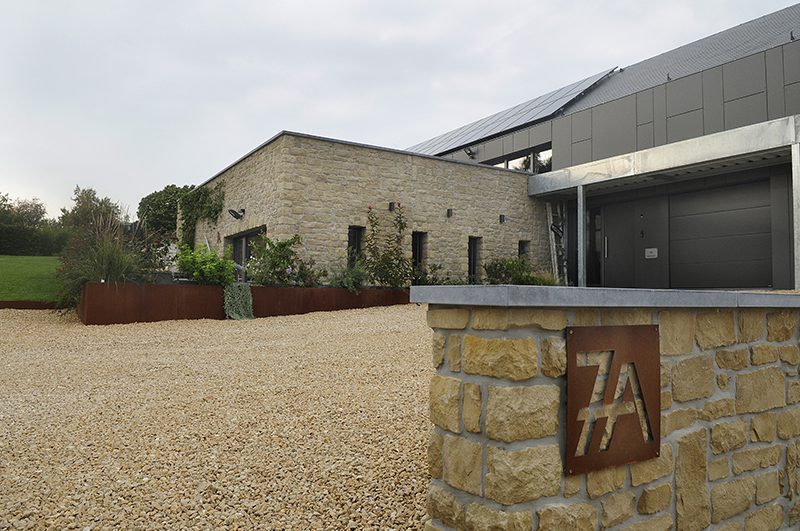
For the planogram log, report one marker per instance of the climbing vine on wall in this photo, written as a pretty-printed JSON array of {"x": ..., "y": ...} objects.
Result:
[{"x": 201, "y": 204}]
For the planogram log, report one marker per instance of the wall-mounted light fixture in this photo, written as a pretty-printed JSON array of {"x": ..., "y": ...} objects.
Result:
[
  {"x": 449, "y": 212},
  {"x": 470, "y": 152},
  {"x": 502, "y": 218},
  {"x": 236, "y": 214},
  {"x": 392, "y": 206}
]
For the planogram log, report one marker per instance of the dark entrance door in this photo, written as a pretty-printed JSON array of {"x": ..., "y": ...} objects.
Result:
[{"x": 635, "y": 251}]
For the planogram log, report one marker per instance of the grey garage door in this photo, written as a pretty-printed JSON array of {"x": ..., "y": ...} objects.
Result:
[{"x": 721, "y": 238}]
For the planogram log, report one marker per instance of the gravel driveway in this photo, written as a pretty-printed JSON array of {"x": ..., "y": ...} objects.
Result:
[{"x": 312, "y": 421}]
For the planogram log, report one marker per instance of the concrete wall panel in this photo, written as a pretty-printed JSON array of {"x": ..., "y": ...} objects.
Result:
[
  {"x": 644, "y": 107},
  {"x": 614, "y": 128},
  {"x": 562, "y": 142},
  {"x": 685, "y": 94},
  {"x": 582, "y": 152},
  {"x": 713, "y": 120},
  {"x": 744, "y": 77},
  {"x": 746, "y": 111},
  {"x": 644, "y": 136},
  {"x": 541, "y": 134},
  {"x": 791, "y": 62},
  {"x": 582, "y": 125},
  {"x": 775, "y": 103},
  {"x": 792, "y": 98},
  {"x": 686, "y": 125},
  {"x": 659, "y": 115}
]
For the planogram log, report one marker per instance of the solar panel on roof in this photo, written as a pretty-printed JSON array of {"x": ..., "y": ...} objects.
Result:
[{"x": 511, "y": 118}]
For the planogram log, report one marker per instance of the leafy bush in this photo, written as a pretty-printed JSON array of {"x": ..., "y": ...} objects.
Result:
[
  {"x": 103, "y": 253},
  {"x": 206, "y": 266},
  {"x": 238, "y": 301},
  {"x": 351, "y": 278},
  {"x": 384, "y": 257},
  {"x": 516, "y": 271},
  {"x": 276, "y": 263},
  {"x": 431, "y": 275}
]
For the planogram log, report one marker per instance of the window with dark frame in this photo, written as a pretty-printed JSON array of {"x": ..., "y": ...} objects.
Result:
[
  {"x": 355, "y": 244},
  {"x": 536, "y": 160},
  {"x": 524, "y": 248},
  {"x": 473, "y": 259},
  {"x": 418, "y": 250}
]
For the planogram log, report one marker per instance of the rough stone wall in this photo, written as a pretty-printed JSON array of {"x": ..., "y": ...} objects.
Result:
[
  {"x": 317, "y": 188},
  {"x": 730, "y": 398}
]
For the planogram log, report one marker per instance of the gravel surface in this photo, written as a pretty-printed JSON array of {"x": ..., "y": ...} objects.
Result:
[{"x": 315, "y": 421}]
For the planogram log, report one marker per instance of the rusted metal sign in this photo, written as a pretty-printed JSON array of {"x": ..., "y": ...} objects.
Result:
[{"x": 613, "y": 396}]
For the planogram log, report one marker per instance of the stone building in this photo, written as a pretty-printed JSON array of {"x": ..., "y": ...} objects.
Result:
[{"x": 682, "y": 171}]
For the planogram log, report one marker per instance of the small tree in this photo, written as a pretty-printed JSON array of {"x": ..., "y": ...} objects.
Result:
[{"x": 384, "y": 259}]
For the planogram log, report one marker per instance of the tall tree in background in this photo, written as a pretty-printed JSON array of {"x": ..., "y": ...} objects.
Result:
[{"x": 25, "y": 230}]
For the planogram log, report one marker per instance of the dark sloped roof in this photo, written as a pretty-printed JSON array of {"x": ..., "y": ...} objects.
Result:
[
  {"x": 740, "y": 41},
  {"x": 531, "y": 111}
]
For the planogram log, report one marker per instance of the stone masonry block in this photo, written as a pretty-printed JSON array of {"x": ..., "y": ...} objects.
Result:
[
  {"x": 692, "y": 378},
  {"x": 577, "y": 517},
  {"x": 445, "y": 394},
  {"x": 793, "y": 392},
  {"x": 679, "y": 419},
  {"x": 515, "y": 359},
  {"x": 767, "y": 487},
  {"x": 471, "y": 408},
  {"x": 724, "y": 407},
  {"x": 655, "y": 499},
  {"x": 789, "y": 423},
  {"x": 601, "y": 482},
  {"x": 732, "y": 498},
  {"x": 449, "y": 318},
  {"x": 483, "y": 518},
  {"x": 442, "y": 504},
  {"x": 781, "y": 325},
  {"x": 454, "y": 353},
  {"x": 626, "y": 317},
  {"x": 789, "y": 354},
  {"x": 653, "y": 469},
  {"x": 760, "y": 390},
  {"x": 664, "y": 522},
  {"x": 754, "y": 458},
  {"x": 505, "y": 318},
  {"x": 763, "y": 427},
  {"x": 766, "y": 519},
  {"x": 517, "y": 476},
  {"x": 437, "y": 349},
  {"x": 676, "y": 330},
  {"x": 732, "y": 359},
  {"x": 519, "y": 413},
  {"x": 763, "y": 354},
  {"x": 715, "y": 329},
  {"x": 718, "y": 469},
  {"x": 435, "y": 454},
  {"x": 752, "y": 325},
  {"x": 691, "y": 470},
  {"x": 462, "y": 464},
  {"x": 727, "y": 436},
  {"x": 617, "y": 508},
  {"x": 554, "y": 357}
]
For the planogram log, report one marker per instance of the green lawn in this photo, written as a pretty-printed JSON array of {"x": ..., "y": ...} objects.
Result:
[{"x": 28, "y": 278}]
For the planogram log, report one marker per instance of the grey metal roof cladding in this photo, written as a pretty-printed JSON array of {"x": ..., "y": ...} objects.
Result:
[
  {"x": 740, "y": 41},
  {"x": 519, "y": 115},
  {"x": 728, "y": 45}
]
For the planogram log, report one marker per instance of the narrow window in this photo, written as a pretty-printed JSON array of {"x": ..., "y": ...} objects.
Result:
[
  {"x": 418, "y": 250},
  {"x": 542, "y": 158},
  {"x": 473, "y": 259},
  {"x": 355, "y": 244},
  {"x": 524, "y": 248}
]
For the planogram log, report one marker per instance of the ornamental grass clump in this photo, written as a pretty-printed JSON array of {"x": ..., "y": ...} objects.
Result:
[{"x": 518, "y": 271}]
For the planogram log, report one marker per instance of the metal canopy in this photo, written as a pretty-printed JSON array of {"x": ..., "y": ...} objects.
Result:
[{"x": 509, "y": 119}]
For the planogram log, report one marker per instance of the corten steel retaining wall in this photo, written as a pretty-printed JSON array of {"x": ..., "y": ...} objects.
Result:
[
  {"x": 27, "y": 305},
  {"x": 730, "y": 399},
  {"x": 129, "y": 303}
]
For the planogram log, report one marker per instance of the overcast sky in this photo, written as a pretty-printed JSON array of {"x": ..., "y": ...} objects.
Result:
[{"x": 127, "y": 97}]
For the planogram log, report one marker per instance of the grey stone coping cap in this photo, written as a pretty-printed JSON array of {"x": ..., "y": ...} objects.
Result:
[{"x": 562, "y": 297}]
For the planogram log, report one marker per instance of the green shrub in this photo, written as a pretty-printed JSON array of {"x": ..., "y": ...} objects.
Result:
[
  {"x": 238, "y": 301},
  {"x": 516, "y": 271},
  {"x": 206, "y": 266},
  {"x": 200, "y": 204},
  {"x": 276, "y": 263},
  {"x": 384, "y": 257},
  {"x": 431, "y": 275},
  {"x": 351, "y": 278}
]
